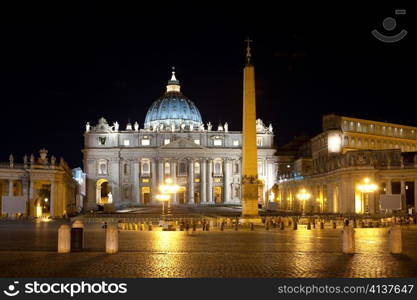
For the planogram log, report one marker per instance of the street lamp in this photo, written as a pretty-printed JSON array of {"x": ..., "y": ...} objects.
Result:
[
  {"x": 168, "y": 189},
  {"x": 303, "y": 196},
  {"x": 163, "y": 198},
  {"x": 366, "y": 188}
]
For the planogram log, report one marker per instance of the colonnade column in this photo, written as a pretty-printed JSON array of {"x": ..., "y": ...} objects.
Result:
[
  {"x": 329, "y": 196},
  {"x": 415, "y": 194},
  {"x": 210, "y": 181},
  {"x": 227, "y": 177},
  {"x": 203, "y": 183},
  {"x": 52, "y": 199},
  {"x": 174, "y": 178},
  {"x": 403, "y": 200},
  {"x": 389, "y": 187},
  {"x": 191, "y": 181}
]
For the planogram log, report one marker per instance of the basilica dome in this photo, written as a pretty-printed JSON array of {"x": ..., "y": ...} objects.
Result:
[{"x": 173, "y": 110}]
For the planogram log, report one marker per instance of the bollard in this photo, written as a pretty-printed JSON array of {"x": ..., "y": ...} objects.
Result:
[
  {"x": 395, "y": 239},
  {"x": 281, "y": 225},
  {"x": 321, "y": 225},
  {"x": 142, "y": 227},
  {"x": 252, "y": 228},
  {"x": 354, "y": 224},
  {"x": 208, "y": 227},
  {"x": 236, "y": 226},
  {"x": 194, "y": 226},
  {"x": 308, "y": 226},
  {"x": 334, "y": 225},
  {"x": 222, "y": 226},
  {"x": 136, "y": 227},
  {"x": 64, "y": 239},
  {"x": 294, "y": 226},
  {"x": 112, "y": 239},
  {"x": 314, "y": 224},
  {"x": 77, "y": 236},
  {"x": 348, "y": 236},
  {"x": 266, "y": 226},
  {"x": 150, "y": 226}
]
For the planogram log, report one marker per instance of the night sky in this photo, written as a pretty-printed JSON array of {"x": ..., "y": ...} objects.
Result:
[{"x": 63, "y": 66}]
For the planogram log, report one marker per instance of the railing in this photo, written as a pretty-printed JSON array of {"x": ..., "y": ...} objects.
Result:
[{"x": 6, "y": 165}]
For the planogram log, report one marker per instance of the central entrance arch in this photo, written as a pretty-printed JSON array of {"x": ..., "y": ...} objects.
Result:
[{"x": 103, "y": 191}]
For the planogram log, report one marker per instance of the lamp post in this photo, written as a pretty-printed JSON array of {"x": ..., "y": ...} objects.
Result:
[
  {"x": 303, "y": 196},
  {"x": 163, "y": 198},
  {"x": 168, "y": 189},
  {"x": 366, "y": 188}
]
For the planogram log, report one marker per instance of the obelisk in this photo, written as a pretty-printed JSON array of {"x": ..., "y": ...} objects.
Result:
[{"x": 249, "y": 149}]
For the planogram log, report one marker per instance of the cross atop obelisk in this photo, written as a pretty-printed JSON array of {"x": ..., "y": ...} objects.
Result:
[
  {"x": 248, "y": 52},
  {"x": 250, "y": 180}
]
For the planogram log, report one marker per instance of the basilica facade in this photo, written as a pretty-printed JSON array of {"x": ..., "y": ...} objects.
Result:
[{"x": 126, "y": 166}]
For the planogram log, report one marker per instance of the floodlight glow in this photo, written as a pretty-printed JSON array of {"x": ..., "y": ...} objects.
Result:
[{"x": 334, "y": 143}]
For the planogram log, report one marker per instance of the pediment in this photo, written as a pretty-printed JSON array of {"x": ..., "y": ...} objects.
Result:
[{"x": 182, "y": 143}]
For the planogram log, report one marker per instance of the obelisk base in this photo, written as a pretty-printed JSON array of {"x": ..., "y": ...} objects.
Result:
[{"x": 250, "y": 204}]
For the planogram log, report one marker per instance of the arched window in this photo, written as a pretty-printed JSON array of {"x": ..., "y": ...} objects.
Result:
[
  {"x": 346, "y": 141},
  {"x": 145, "y": 167},
  {"x": 217, "y": 167},
  {"x": 126, "y": 169},
  {"x": 197, "y": 168},
  {"x": 182, "y": 168},
  {"x": 167, "y": 169},
  {"x": 102, "y": 167}
]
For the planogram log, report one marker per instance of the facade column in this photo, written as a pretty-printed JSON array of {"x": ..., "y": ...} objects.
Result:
[
  {"x": 136, "y": 185},
  {"x": 10, "y": 187},
  {"x": 191, "y": 181},
  {"x": 160, "y": 171},
  {"x": 115, "y": 180},
  {"x": 174, "y": 178},
  {"x": 226, "y": 181},
  {"x": 203, "y": 182},
  {"x": 210, "y": 181},
  {"x": 154, "y": 180},
  {"x": 52, "y": 199},
  {"x": 90, "y": 199}
]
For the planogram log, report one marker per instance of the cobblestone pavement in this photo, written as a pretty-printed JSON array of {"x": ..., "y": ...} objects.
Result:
[{"x": 29, "y": 250}]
